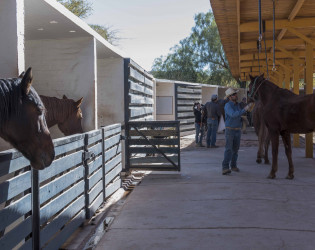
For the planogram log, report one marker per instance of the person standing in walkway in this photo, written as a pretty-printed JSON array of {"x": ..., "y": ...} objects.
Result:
[
  {"x": 198, "y": 124},
  {"x": 233, "y": 125},
  {"x": 213, "y": 112}
]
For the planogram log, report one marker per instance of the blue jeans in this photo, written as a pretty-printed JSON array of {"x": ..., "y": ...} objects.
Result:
[
  {"x": 199, "y": 130},
  {"x": 232, "y": 145},
  {"x": 212, "y": 131}
]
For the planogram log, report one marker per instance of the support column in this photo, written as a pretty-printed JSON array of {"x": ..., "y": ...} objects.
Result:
[
  {"x": 296, "y": 88},
  {"x": 309, "y": 90},
  {"x": 12, "y": 61},
  {"x": 287, "y": 78}
]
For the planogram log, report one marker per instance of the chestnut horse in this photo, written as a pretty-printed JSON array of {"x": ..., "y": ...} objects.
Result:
[
  {"x": 22, "y": 120},
  {"x": 64, "y": 112},
  {"x": 261, "y": 131},
  {"x": 284, "y": 113}
]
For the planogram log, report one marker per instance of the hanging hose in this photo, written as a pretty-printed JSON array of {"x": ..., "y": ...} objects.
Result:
[
  {"x": 264, "y": 32},
  {"x": 258, "y": 47},
  {"x": 274, "y": 31},
  {"x": 259, "y": 21}
]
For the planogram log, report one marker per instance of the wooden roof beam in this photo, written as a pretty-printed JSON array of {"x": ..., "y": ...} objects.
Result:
[
  {"x": 289, "y": 54},
  {"x": 300, "y": 35},
  {"x": 292, "y": 15},
  {"x": 269, "y": 43},
  {"x": 279, "y": 24}
]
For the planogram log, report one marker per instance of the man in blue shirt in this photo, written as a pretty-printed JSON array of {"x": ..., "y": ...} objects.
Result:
[{"x": 233, "y": 125}]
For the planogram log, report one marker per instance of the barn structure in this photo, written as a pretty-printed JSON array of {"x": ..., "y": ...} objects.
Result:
[{"x": 271, "y": 37}]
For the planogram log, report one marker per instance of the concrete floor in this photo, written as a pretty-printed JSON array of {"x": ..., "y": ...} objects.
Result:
[{"x": 199, "y": 208}]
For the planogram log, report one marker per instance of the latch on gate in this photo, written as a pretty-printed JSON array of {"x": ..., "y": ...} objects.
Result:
[{"x": 86, "y": 155}]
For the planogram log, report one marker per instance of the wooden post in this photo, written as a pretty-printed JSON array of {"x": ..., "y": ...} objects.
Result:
[
  {"x": 280, "y": 82},
  {"x": 287, "y": 78},
  {"x": 296, "y": 90},
  {"x": 309, "y": 90}
]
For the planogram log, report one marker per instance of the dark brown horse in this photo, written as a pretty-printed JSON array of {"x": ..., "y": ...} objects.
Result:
[
  {"x": 22, "y": 120},
  {"x": 261, "y": 131},
  {"x": 64, "y": 112},
  {"x": 284, "y": 113}
]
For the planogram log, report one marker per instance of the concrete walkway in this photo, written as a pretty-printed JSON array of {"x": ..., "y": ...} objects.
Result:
[{"x": 199, "y": 208}]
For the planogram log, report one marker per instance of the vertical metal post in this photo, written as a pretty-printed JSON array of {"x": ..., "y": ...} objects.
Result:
[
  {"x": 86, "y": 180},
  {"x": 127, "y": 111},
  {"x": 178, "y": 129},
  {"x": 35, "y": 210},
  {"x": 103, "y": 162}
]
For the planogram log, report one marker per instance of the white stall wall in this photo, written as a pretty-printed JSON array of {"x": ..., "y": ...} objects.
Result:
[
  {"x": 110, "y": 94},
  {"x": 66, "y": 66},
  {"x": 167, "y": 90},
  {"x": 12, "y": 38},
  {"x": 207, "y": 92}
]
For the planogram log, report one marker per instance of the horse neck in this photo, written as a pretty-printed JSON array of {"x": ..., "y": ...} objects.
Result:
[
  {"x": 265, "y": 91},
  {"x": 57, "y": 110},
  {"x": 9, "y": 99}
]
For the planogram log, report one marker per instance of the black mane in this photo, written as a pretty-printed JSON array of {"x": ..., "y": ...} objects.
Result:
[{"x": 10, "y": 96}]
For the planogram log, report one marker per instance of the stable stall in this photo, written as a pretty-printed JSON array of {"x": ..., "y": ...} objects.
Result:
[{"x": 67, "y": 57}]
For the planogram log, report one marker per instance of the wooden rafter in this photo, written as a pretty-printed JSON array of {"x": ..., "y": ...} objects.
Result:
[{"x": 292, "y": 15}]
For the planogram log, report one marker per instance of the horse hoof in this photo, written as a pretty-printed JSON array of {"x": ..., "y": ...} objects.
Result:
[
  {"x": 290, "y": 177},
  {"x": 271, "y": 176},
  {"x": 258, "y": 161}
]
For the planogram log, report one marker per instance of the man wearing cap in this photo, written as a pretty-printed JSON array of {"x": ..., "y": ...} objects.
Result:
[
  {"x": 213, "y": 113},
  {"x": 233, "y": 125}
]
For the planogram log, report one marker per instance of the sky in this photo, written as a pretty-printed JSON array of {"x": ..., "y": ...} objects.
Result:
[{"x": 148, "y": 28}]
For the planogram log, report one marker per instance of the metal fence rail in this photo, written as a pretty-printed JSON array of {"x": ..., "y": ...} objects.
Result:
[{"x": 41, "y": 209}]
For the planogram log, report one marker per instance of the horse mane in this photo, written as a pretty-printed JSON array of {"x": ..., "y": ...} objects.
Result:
[
  {"x": 10, "y": 96},
  {"x": 57, "y": 107}
]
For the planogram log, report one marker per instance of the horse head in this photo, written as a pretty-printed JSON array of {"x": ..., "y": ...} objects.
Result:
[
  {"x": 72, "y": 124},
  {"x": 255, "y": 83},
  {"x": 23, "y": 121}
]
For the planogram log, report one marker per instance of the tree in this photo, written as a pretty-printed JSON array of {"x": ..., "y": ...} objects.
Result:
[
  {"x": 198, "y": 58},
  {"x": 83, "y": 9}
]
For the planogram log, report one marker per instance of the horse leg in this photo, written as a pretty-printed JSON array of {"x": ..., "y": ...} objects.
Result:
[
  {"x": 274, "y": 136},
  {"x": 266, "y": 144},
  {"x": 288, "y": 151},
  {"x": 260, "y": 145}
]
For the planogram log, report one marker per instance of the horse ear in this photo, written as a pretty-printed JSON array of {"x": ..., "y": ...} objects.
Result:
[
  {"x": 251, "y": 78},
  {"x": 79, "y": 102},
  {"x": 64, "y": 97},
  {"x": 22, "y": 74},
  {"x": 262, "y": 75},
  {"x": 26, "y": 82}
]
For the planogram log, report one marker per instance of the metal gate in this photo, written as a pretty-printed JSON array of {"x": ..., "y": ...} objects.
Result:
[{"x": 153, "y": 145}]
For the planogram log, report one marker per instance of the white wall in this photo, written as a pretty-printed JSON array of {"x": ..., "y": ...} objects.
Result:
[
  {"x": 165, "y": 89},
  {"x": 66, "y": 66},
  {"x": 207, "y": 92},
  {"x": 12, "y": 38},
  {"x": 110, "y": 94}
]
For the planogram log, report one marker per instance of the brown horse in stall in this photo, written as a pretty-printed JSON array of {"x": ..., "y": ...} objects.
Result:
[
  {"x": 64, "y": 112},
  {"x": 22, "y": 120},
  {"x": 284, "y": 113}
]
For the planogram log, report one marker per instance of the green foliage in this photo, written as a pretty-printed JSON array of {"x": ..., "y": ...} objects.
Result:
[
  {"x": 197, "y": 58},
  {"x": 81, "y": 8},
  {"x": 109, "y": 34}
]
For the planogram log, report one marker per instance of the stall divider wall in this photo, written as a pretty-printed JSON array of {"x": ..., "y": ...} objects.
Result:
[
  {"x": 185, "y": 96},
  {"x": 85, "y": 172}
]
